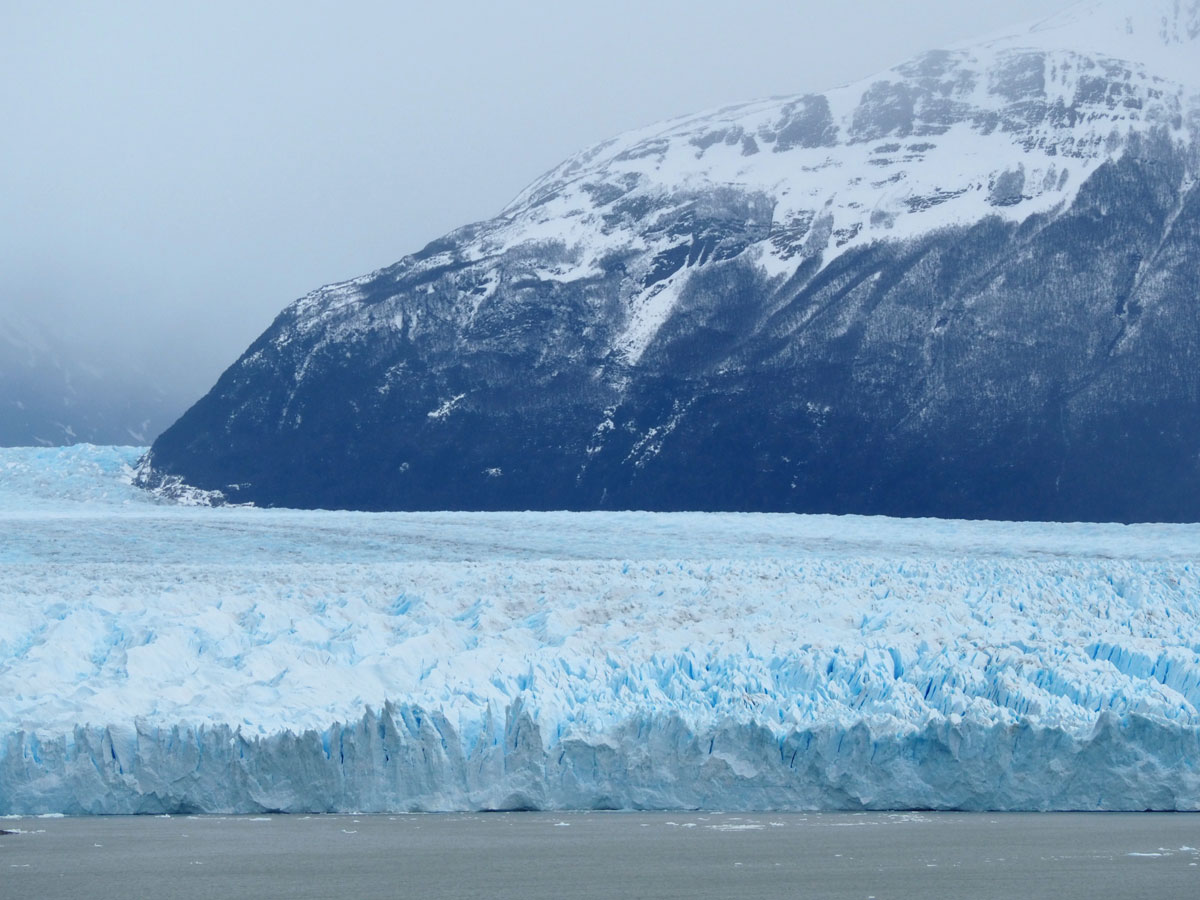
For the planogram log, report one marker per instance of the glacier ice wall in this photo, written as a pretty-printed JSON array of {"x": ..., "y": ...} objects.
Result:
[
  {"x": 404, "y": 758},
  {"x": 161, "y": 659}
]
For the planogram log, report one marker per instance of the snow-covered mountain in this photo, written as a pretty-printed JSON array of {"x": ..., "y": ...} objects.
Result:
[
  {"x": 52, "y": 393},
  {"x": 964, "y": 287},
  {"x": 157, "y": 658}
]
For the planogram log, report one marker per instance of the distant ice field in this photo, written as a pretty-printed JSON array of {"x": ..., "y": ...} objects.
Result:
[{"x": 156, "y": 658}]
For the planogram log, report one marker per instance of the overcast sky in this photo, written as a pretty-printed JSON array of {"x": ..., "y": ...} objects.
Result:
[{"x": 172, "y": 174}]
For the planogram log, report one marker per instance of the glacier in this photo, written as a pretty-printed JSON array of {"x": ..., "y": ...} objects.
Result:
[{"x": 157, "y": 658}]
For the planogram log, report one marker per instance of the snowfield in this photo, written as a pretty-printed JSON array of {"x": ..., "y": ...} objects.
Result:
[{"x": 157, "y": 658}]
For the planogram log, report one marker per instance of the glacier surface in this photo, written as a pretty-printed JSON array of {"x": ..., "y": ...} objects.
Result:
[{"x": 158, "y": 658}]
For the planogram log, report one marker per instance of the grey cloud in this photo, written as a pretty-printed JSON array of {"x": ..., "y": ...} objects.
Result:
[{"x": 171, "y": 175}]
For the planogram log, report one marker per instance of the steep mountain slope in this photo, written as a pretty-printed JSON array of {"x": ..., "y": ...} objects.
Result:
[
  {"x": 966, "y": 287},
  {"x": 53, "y": 394}
]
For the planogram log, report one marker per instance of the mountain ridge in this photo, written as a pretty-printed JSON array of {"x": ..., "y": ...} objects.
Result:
[{"x": 759, "y": 296}]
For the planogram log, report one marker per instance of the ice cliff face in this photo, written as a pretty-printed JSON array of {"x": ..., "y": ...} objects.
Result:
[
  {"x": 965, "y": 287},
  {"x": 164, "y": 659}
]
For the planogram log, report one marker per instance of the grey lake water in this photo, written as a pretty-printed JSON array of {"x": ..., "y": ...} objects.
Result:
[{"x": 498, "y": 856}]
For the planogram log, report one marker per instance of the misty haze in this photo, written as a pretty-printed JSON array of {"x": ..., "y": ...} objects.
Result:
[{"x": 174, "y": 176}]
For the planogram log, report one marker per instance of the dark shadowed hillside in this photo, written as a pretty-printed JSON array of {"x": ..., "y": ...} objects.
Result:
[{"x": 967, "y": 287}]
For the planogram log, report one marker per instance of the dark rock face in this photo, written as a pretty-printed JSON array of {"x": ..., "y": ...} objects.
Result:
[
  {"x": 1033, "y": 360},
  {"x": 1047, "y": 370},
  {"x": 806, "y": 122}
]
